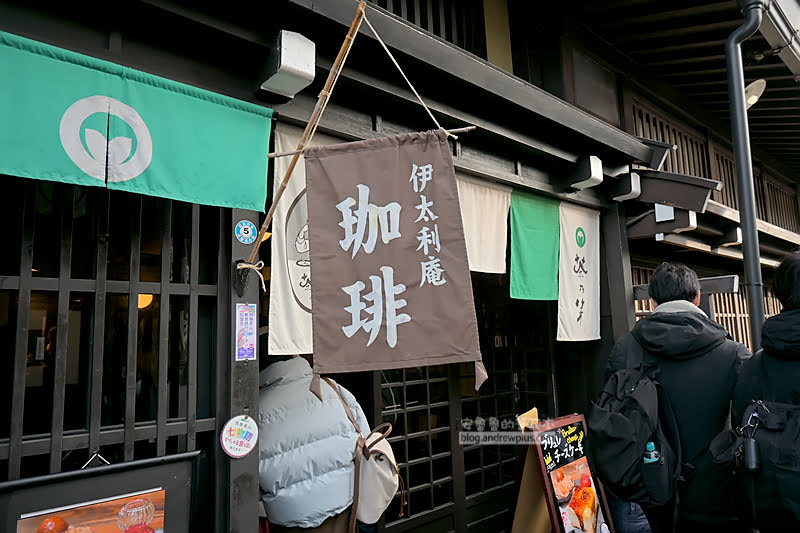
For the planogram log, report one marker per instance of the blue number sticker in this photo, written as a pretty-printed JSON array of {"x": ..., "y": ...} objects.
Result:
[{"x": 246, "y": 232}]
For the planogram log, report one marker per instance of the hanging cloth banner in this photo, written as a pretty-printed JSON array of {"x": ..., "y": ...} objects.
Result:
[
  {"x": 71, "y": 118},
  {"x": 290, "y": 277},
  {"x": 534, "y": 247},
  {"x": 579, "y": 274},
  {"x": 484, "y": 214},
  {"x": 391, "y": 283}
]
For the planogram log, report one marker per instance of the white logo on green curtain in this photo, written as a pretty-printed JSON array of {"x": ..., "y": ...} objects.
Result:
[{"x": 106, "y": 159}]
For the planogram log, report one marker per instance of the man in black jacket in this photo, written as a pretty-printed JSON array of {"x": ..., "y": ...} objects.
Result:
[
  {"x": 774, "y": 375},
  {"x": 699, "y": 366}
]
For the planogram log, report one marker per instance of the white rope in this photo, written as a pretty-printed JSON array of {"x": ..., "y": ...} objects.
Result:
[
  {"x": 257, "y": 269},
  {"x": 396, "y": 64}
]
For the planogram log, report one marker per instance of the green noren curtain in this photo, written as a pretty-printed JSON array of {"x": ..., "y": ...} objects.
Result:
[
  {"x": 534, "y": 246},
  {"x": 75, "y": 119}
]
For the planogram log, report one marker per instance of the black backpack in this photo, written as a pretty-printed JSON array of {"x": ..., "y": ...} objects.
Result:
[
  {"x": 631, "y": 411},
  {"x": 767, "y": 467}
]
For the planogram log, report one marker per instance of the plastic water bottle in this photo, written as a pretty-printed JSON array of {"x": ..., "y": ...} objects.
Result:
[{"x": 650, "y": 454}]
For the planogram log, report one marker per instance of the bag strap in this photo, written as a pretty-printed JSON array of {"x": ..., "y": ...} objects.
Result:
[
  {"x": 762, "y": 371},
  {"x": 362, "y": 450},
  {"x": 382, "y": 435},
  {"x": 360, "y": 445},
  {"x": 344, "y": 404},
  {"x": 665, "y": 407}
]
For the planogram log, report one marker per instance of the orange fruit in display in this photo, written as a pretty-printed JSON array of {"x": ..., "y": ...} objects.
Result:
[{"x": 55, "y": 524}]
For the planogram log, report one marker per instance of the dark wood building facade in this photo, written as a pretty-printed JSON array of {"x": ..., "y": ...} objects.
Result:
[{"x": 546, "y": 89}]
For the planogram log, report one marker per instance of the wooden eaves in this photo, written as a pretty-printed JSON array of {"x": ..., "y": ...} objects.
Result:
[{"x": 468, "y": 69}]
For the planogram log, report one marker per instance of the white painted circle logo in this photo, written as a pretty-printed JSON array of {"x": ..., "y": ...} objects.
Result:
[{"x": 113, "y": 154}]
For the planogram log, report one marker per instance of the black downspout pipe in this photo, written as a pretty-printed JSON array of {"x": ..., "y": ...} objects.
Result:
[{"x": 753, "y": 11}]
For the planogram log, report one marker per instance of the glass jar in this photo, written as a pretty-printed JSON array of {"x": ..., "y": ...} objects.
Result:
[{"x": 135, "y": 516}]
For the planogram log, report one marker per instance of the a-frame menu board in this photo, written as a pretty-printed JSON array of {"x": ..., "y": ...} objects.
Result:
[{"x": 575, "y": 498}]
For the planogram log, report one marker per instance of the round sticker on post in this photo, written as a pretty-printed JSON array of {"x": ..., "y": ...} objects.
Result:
[
  {"x": 246, "y": 232},
  {"x": 239, "y": 436}
]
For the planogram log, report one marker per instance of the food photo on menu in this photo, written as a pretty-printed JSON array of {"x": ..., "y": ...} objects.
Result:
[
  {"x": 131, "y": 513},
  {"x": 577, "y": 499}
]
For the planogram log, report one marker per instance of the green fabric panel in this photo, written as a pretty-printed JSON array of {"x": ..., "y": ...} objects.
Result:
[
  {"x": 203, "y": 152},
  {"x": 35, "y": 92},
  {"x": 205, "y": 148},
  {"x": 534, "y": 246}
]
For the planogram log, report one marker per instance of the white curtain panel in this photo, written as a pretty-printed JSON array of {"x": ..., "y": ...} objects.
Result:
[
  {"x": 484, "y": 213},
  {"x": 290, "y": 277},
  {"x": 579, "y": 274}
]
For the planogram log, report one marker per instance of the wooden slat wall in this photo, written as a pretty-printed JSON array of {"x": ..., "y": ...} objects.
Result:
[
  {"x": 690, "y": 158},
  {"x": 730, "y": 310},
  {"x": 782, "y": 199},
  {"x": 725, "y": 171},
  {"x": 761, "y": 201},
  {"x": 641, "y": 276},
  {"x": 459, "y": 22}
]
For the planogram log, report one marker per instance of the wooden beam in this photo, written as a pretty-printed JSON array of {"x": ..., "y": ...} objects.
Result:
[
  {"x": 627, "y": 187},
  {"x": 717, "y": 44},
  {"x": 711, "y": 285},
  {"x": 409, "y": 39},
  {"x": 687, "y": 60},
  {"x": 648, "y": 226},
  {"x": 660, "y": 152},
  {"x": 618, "y": 269},
  {"x": 724, "y": 8},
  {"x": 723, "y": 211},
  {"x": 700, "y": 246},
  {"x": 639, "y": 36},
  {"x": 588, "y": 173},
  {"x": 731, "y": 237},
  {"x": 677, "y": 190}
]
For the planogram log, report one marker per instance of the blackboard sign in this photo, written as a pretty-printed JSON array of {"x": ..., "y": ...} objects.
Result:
[
  {"x": 157, "y": 493},
  {"x": 575, "y": 497}
]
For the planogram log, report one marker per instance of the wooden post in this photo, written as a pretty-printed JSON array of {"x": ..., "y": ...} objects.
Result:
[
  {"x": 618, "y": 270},
  {"x": 242, "y": 480}
]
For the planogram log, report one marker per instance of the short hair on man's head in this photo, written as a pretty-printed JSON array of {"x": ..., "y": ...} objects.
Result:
[
  {"x": 787, "y": 281},
  {"x": 673, "y": 281}
]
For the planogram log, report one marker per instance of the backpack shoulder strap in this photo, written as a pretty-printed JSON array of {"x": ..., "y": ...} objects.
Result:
[
  {"x": 633, "y": 358},
  {"x": 344, "y": 404},
  {"x": 762, "y": 376},
  {"x": 360, "y": 445},
  {"x": 672, "y": 425}
]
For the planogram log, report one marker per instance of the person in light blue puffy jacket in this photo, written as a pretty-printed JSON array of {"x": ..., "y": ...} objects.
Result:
[{"x": 305, "y": 448}]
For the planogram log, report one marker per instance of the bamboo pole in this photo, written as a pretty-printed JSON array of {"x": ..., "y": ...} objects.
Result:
[
  {"x": 322, "y": 101},
  {"x": 273, "y": 155}
]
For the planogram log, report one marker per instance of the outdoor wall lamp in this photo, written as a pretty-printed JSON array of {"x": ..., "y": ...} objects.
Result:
[
  {"x": 290, "y": 66},
  {"x": 753, "y": 92}
]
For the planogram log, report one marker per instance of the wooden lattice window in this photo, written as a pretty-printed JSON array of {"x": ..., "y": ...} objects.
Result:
[
  {"x": 690, "y": 158},
  {"x": 782, "y": 204},
  {"x": 108, "y": 326},
  {"x": 459, "y": 22}
]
